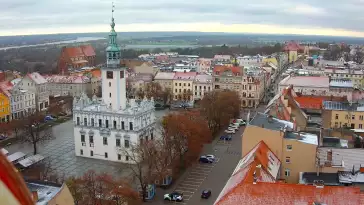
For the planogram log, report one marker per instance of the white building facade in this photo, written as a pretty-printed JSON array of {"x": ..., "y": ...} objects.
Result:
[{"x": 103, "y": 127}]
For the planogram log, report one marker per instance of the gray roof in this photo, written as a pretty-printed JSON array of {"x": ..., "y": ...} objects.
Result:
[
  {"x": 46, "y": 191},
  {"x": 263, "y": 120},
  {"x": 342, "y": 157},
  {"x": 328, "y": 178}
]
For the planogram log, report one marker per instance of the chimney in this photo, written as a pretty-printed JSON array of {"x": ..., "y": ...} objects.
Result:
[
  {"x": 361, "y": 169},
  {"x": 256, "y": 174},
  {"x": 35, "y": 196},
  {"x": 318, "y": 184}
]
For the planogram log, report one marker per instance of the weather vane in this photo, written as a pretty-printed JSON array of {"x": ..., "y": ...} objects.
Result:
[{"x": 112, "y": 8}]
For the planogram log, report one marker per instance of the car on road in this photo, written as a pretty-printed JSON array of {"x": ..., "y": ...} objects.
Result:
[
  {"x": 204, "y": 159},
  {"x": 48, "y": 118},
  {"x": 174, "y": 196},
  {"x": 228, "y": 131},
  {"x": 234, "y": 124},
  {"x": 210, "y": 156},
  {"x": 233, "y": 128},
  {"x": 241, "y": 122},
  {"x": 206, "y": 194},
  {"x": 226, "y": 137}
]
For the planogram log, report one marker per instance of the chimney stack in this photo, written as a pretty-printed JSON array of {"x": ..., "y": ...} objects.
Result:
[{"x": 256, "y": 174}]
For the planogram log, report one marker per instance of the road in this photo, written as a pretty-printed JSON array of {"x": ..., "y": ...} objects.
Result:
[{"x": 208, "y": 176}]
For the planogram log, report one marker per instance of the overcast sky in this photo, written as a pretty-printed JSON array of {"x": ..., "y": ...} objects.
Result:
[{"x": 326, "y": 17}]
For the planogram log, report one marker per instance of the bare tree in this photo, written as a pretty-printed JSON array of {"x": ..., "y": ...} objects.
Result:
[
  {"x": 35, "y": 131},
  {"x": 144, "y": 158}
]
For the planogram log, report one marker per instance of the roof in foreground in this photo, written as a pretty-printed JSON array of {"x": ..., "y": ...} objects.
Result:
[
  {"x": 264, "y": 120},
  {"x": 293, "y": 194},
  {"x": 45, "y": 190},
  {"x": 260, "y": 165},
  {"x": 306, "y": 81}
]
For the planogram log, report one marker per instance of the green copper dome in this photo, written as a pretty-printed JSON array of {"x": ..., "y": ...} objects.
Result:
[{"x": 112, "y": 45}]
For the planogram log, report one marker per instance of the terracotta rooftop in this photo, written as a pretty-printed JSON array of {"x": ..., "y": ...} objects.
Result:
[
  {"x": 315, "y": 102},
  {"x": 37, "y": 78},
  {"x": 258, "y": 165},
  {"x": 292, "y": 194},
  {"x": 88, "y": 50},
  {"x": 292, "y": 46},
  {"x": 5, "y": 87},
  {"x": 222, "y": 68}
]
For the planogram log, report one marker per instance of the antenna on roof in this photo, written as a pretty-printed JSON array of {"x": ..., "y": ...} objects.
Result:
[{"x": 112, "y": 10}]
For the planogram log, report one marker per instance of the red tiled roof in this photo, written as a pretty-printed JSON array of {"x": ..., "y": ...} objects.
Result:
[
  {"x": 260, "y": 162},
  {"x": 291, "y": 46},
  {"x": 88, "y": 50},
  {"x": 279, "y": 193},
  {"x": 315, "y": 102},
  {"x": 233, "y": 69},
  {"x": 73, "y": 51},
  {"x": 185, "y": 75},
  {"x": 5, "y": 87}
]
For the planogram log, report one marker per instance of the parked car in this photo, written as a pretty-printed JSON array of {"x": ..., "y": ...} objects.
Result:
[
  {"x": 226, "y": 138},
  {"x": 48, "y": 118},
  {"x": 174, "y": 196},
  {"x": 233, "y": 128},
  {"x": 204, "y": 159},
  {"x": 210, "y": 156},
  {"x": 206, "y": 194},
  {"x": 241, "y": 122},
  {"x": 229, "y": 131}
]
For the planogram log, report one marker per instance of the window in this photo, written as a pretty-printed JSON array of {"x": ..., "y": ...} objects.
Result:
[
  {"x": 118, "y": 142},
  {"x": 100, "y": 123},
  {"x": 288, "y": 159},
  {"x": 289, "y": 147},
  {"x": 360, "y": 126},
  {"x": 91, "y": 153},
  {"x": 336, "y": 116},
  {"x": 82, "y": 138},
  {"x": 151, "y": 136},
  {"x": 106, "y": 156},
  {"x": 346, "y": 117},
  {"x": 81, "y": 152},
  {"x": 130, "y": 125},
  {"x": 126, "y": 143},
  {"x": 189, "y": 84},
  {"x": 91, "y": 138},
  {"x": 78, "y": 120},
  {"x": 105, "y": 140},
  {"x": 353, "y": 117},
  {"x": 85, "y": 121},
  {"x": 114, "y": 124},
  {"x": 119, "y": 156},
  {"x": 92, "y": 122},
  {"x": 126, "y": 158},
  {"x": 361, "y": 117},
  {"x": 122, "y": 125},
  {"x": 109, "y": 94},
  {"x": 107, "y": 123},
  {"x": 109, "y": 75},
  {"x": 196, "y": 87},
  {"x": 121, "y": 74},
  {"x": 109, "y": 84},
  {"x": 287, "y": 172},
  {"x": 180, "y": 84},
  {"x": 175, "y": 84}
]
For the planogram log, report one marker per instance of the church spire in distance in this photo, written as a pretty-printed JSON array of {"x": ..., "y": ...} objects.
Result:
[{"x": 113, "y": 50}]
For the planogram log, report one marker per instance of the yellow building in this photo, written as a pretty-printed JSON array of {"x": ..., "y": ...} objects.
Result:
[
  {"x": 183, "y": 85},
  {"x": 340, "y": 114},
  {"x": 5, "y": 110},
  {"x": 292, "y": 50},
  {"x": 272, "y": 60},
  {"x": 295, "y": 150}
]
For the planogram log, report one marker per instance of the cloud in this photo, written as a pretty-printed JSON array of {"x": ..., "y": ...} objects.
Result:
[{"x": 39, "y": 16}]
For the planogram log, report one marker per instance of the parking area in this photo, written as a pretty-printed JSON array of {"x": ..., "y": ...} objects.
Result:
[{"x": 191, "y": 183}]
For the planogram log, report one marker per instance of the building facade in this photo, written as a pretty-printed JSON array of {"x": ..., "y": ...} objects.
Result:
[
  {"x": 202, "y": 85},
  {"x": 341, "y": 114},
  {"x": 255, "y": 82},
  {"x": 165, "y": 79},
  {"x": 296, "y": 150},
  {"x": 5, "y": 109},
  {"x": 183, "y": 85},
  {"x": 59, "y": 85},
  {"x": 37, "y": 84},
  {"x": 225, "y": 77},
  {"x": 204, "y": 65},
  {"x": 104, "y": 127}
]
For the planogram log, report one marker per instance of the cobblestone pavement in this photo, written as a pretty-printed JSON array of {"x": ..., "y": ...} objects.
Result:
[{"x": 61, "y": 154}]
